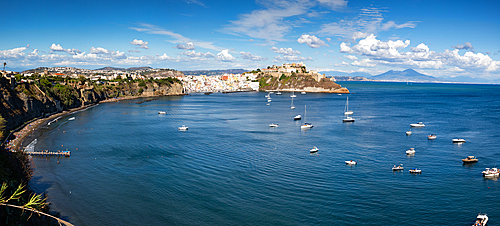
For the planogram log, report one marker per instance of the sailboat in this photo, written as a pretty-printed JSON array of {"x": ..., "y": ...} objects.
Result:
[
  {"x": 292, "y": 107},
  {"x": 347, "y": 113},
  {"x": 278, "y": 93},
  {"x": 306, "y": 125}
]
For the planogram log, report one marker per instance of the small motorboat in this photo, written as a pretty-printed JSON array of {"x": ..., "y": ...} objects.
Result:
[
  {"x": 314, "y": 149},
  {"x": 71, "y": 119},
  {"x": 297, "y": 117},
  {"x": 306, "y": 126},
  {"x": 458, "y": 140},
  {"x": 273, "y": 125},
  {"x": 278, "y": 93},
  {"x": 470, "y": 159},
  {"x": 431, "y": 137},
  {"x": 408, "y": 133},
  {"x": 420, "y": 124},
  {"x": 351, "y": 162},
  {"x": 303, "y": 92},
  {"x": 410, "y": 151},
  {"x": 162, "y": 112},
  {"x": 269, "y": 100},
  {"x": 397, "y": 168},
  {"x": 267, "y": 104},
  {"x": 481, "y": 220},
  {"x": 493, "y": 172},
  {"x": 183, "y": 127},
  {"x": 415, "y": 170}
]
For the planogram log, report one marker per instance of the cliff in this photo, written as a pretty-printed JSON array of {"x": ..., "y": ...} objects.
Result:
[
  {"x": 299, "y": 82},
  {"x": 25, "y": 101}
]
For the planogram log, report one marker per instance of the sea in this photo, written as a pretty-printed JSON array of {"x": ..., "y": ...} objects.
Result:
[{"x": 130, "y": 165}]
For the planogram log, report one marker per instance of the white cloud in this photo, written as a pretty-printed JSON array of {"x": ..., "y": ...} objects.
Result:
[
  {"x": 334, "y": 4},
  {"x": 357, "y": 35},
  {"x": 369, "y": 21},
  {"x": 311, "y": 40},
  {"x": 350, "y": 57},
  {"x": 341, "y": 64},
  {"x": 249, "y": 56},
  {"x": 178, "y": 38},
  {"x": 16, "y": 53},
  {"x": 59, "y": 48},
  {"x": 466, "y": 46},
  {"x": 224, "y": 56},
  {"x": 329, "y": 39},
  {"x": 285, "y": 51},
  {"x": 140, "y": 43},
  {"x": 98, "y": 50},
  {"x": 277, "y": 19},
  {"x": 363, "y": 63},
  {"x": 281, "y": 59},
  {"x": 389, "y": 53},
  {"x": 188, "y": 46},
  {"x": 194, "y": 54}
]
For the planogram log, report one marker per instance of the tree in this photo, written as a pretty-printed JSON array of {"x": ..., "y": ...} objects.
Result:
[{"x": 34, "y": 205}]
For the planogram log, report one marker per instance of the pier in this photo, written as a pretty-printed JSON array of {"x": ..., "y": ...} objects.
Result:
[{"x": 49, "y": 153}]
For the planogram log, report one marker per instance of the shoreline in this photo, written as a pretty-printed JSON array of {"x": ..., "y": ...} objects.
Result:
[{"x": 25, "y": 130}]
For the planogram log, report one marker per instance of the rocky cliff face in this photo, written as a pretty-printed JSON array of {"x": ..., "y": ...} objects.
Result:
[
  {"x": 27, "y": 101},
  {"x": 300, "y": 82}
]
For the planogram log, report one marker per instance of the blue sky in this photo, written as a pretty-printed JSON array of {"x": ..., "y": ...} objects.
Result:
[{"x": 439, "y": 38}]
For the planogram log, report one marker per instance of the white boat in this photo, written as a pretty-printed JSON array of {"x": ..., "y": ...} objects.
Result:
[
  {"x": 314, "y": 149},
  {"x": 267, "y": 104},
  {"x": 396, "y": 168},
  {"x": 410, "y": 151},
  {"x": 493, "y": 172},
  {"x": 306, "y": 125},
  {"x": 269, "y": 100},
  {"x": 293, "y": 94},
  {"x": 303, "y": 92},
  {"x": 481, "y": 220},
  {"x": 431, "y": 137},
  {"x": 297, "y": 117},
  {"x": 420, "y": 124},
  {"x": 347, "y": 113},
  {"x": 273, "y": 125},
  {"x": 408, "y": 133},
  {"x": 457, "y": 140},
  {"x": 271, "y": 92},
  {"x": 292, "y": 107},
  {"x": 183, "y": 127},
  {"x": 415, "y": 170},
  {"x": 278, "y": 93},
  {"x": 351, "y": 162},
  {"x": 162, "y": 112},
  {"x": 71, "y": 119}
]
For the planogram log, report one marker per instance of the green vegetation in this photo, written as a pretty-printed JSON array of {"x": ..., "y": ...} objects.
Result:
[
  {"x": 283, "y": 76},
  {"x": 2, "y": 127},
  {"x": 142, "y": 83},
  {"x": 262, "y": 82}
]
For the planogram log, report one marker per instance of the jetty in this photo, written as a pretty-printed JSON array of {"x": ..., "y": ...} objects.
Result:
[{"x": 49, "y": 153}]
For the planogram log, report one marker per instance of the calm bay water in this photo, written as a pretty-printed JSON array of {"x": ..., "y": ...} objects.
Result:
[{"x": 131, "y": 166}]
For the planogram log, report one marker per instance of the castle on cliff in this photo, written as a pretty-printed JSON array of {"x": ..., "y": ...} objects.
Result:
[{"x": 289, "y": 69}]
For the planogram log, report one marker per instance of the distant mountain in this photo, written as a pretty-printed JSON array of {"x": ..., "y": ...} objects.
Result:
[
  {"x": 352, "y": 74},
  {"x": 214, "y": 72},
  {"x": 408, "y": 75}
]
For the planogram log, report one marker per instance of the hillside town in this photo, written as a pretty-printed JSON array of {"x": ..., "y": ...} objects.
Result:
[{"x": 246, "y": 81}]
